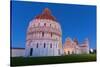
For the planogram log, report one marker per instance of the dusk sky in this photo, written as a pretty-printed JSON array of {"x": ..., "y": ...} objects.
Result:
[{"x": 77, "y": 21}]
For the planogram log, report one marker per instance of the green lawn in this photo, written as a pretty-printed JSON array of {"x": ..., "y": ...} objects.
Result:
[{"x": 21, "y": 61}]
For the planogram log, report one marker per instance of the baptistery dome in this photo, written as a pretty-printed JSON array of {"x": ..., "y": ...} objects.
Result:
[
  {"x": 44, "y": 36},
  {"x": 46, "y": 14}
]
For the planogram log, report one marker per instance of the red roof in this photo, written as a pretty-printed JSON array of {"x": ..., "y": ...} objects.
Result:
[
  {"x": 83, "y": 46},
  {"x": 46, "y": 14}
]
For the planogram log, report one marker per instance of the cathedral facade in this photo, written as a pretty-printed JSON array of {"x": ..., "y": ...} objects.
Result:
[{"x": 74, "y": 47}]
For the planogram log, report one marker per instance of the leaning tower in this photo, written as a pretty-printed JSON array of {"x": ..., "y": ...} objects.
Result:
[
  {"x": 86, "y": 46},
  {"x": 44, "y": 36}
]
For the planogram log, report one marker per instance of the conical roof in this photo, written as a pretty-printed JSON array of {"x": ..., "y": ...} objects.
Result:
[{"x": 46, "y": 14}]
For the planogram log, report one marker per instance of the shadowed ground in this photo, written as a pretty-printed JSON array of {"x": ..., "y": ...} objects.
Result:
[{"x": 21, "y": 61}]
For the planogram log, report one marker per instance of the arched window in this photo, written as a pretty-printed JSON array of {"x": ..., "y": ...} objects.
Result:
[
  {"x": 42, "y": 34},
  {"x": 44, "y": 24},
  {"x": 44, "y": 45},
  {"x": 50, "y": 25},
  {"x": 51, "y": 34},
  {"x": 51, "y": 45},
  {"x": 37, "y": 45},
  {"x": 68, "y": 52}
]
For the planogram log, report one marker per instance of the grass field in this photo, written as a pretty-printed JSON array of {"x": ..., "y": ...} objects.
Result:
[{"x": 21, "y": 61}]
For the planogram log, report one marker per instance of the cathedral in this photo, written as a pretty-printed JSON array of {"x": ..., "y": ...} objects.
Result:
[
  {"x": 44, "y": 38},
  {"x": 73, "y": 47}
]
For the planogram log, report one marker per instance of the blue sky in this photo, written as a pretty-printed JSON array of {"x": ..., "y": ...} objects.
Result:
[{"x": 77, "y": 21}]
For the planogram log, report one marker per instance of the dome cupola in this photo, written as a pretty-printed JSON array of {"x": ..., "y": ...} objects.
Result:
[{"x": 46, "y": 14}]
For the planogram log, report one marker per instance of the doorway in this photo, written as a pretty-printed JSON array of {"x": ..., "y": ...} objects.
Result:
[{"x": 31, "y": 50}]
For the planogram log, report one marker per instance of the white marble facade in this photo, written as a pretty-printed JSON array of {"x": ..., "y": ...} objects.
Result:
[
  {"x": 44, "y": 36},
  {"x": 17, "y": 52},
  {"x": 74, "y": 47}
]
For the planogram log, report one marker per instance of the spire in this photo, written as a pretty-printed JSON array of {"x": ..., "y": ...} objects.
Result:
[
  {"x": 76, "y": 41},
  {"x": 46, "y": 11}
]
